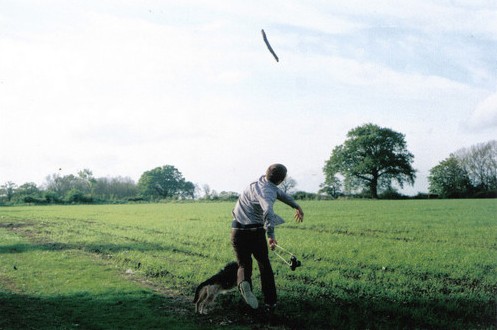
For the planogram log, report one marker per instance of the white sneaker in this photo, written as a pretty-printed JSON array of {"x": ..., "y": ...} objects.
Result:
[{"x": 247, "y": 294}]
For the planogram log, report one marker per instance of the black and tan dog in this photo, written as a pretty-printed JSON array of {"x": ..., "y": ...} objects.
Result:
[{"x": 208, "y": 290}]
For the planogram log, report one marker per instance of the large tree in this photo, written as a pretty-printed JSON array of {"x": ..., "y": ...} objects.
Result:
[
  {"x": 164, "y": 182},
  {"x": 371, "y": 157}
]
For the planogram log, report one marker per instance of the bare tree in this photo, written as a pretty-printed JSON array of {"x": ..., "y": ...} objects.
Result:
[
  {"x": 207, "y": 191},
  {"x": 288, "y": 184},
  {"x": 87, "y": 179},
  {"x": 480, "y": 162}
]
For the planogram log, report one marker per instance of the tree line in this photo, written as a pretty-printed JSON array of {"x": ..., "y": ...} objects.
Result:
[
  {"x": 368, "y": 164},
  {"x": 161, "y": 183}
]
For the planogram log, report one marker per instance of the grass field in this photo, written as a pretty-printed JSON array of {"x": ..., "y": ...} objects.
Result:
[{"x": 366, "y": 264}]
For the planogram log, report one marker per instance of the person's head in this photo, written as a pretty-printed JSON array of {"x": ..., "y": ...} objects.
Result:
[{"x": 276, "y": 173}]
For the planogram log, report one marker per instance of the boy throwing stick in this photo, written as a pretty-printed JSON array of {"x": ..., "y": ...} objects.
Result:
[{"x": 253, "y": 219}]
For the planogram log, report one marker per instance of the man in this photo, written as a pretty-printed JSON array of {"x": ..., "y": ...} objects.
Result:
[{"x": 253, "y": 219}]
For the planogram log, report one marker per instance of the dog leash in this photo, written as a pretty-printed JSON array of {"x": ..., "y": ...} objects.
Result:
[{"x": 293, "y": 263}]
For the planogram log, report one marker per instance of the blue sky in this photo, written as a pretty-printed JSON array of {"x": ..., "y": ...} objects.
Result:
[{"x": 121, "y": 87}]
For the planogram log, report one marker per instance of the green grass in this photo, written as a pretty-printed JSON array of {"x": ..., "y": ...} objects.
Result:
[
  {"x": 45, "y": 286},
  {"x": 366, "y": 264}
]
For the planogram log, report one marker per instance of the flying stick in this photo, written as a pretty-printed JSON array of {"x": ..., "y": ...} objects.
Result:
[{"x": 269, "y": 46}]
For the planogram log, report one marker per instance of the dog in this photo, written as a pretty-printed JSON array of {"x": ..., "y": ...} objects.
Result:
[{"x": 207, "y": 291}]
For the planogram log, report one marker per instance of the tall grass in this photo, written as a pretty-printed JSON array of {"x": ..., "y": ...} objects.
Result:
[{"x": 366, "y": 264}]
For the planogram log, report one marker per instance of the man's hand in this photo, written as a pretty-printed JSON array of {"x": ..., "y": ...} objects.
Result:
[
  {"x": 272, "y": 243},
  {"x": 299, "y": 215}
]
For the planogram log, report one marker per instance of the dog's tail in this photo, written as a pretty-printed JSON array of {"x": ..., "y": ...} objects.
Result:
[{"x": 199, "y": 287}]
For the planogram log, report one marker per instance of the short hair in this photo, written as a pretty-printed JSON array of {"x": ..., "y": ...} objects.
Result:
[{"x": 276, "y": 173}]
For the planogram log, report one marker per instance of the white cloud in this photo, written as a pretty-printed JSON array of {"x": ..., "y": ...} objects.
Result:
[
  {"x": 485, "y": 114},
  {"x": 375, "y": 78}
]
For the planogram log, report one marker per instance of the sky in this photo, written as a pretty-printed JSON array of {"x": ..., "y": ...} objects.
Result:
[{"x": 122, "y": 87}]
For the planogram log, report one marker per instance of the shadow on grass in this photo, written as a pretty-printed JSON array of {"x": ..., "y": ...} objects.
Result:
[
  {"x": 352, "y": 312},
  {"x": 145, "y": 310},
  {"x": 126, "y": 310}
]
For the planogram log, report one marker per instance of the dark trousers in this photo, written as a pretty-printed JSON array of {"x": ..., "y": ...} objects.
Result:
[{"x": 253, "y": 242}]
